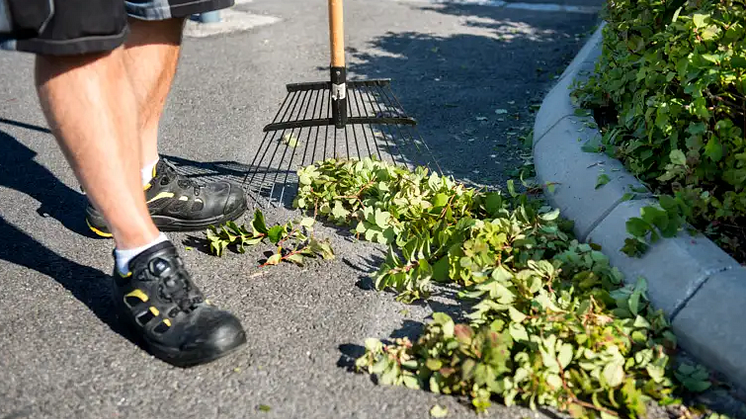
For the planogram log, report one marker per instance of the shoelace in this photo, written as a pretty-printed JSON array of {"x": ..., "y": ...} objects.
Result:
[
  {"x": 171, "y": 173},
  {"x": 175, "y": 288}
]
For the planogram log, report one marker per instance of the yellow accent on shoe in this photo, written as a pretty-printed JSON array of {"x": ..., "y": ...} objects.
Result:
[
  {"x": 138, "y": 294},
  {"x": 97, "y": 231},
  {"x": 154, "y": 172},
  {"x": 184, "y": 198},
  {"x": 154, "y": 311},
  {"x": 148, "y": 186},
  {"x": 161, "y": 195},
  {"x": 167, "y": 321}
]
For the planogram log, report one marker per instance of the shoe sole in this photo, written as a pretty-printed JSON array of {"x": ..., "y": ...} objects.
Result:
[
  {"x": 176, "y": 225},
  {"x": 176, "y": 357}
]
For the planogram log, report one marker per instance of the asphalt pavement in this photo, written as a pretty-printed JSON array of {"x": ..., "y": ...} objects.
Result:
[{"x": 468, "y": 71}]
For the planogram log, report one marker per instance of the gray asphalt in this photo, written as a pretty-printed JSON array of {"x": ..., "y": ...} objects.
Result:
[{"x": 62, "y": 354}]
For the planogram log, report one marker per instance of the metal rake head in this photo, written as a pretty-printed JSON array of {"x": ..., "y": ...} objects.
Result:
[{"x": 303, "y": 133}]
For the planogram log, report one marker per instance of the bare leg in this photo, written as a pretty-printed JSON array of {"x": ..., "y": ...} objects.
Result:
[
  {"x": 92, "y": 111},
  {"x": 151, "y": 56}
]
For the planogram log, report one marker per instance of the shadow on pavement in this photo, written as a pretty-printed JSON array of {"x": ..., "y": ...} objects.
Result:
[
  {"x": 349, "y": 353},
  {"x": 20, "y": 172},
  {"x": 257, "y": 183},
  {"x": 90, "y": 286},
  {"x": 453, "y": 82}
]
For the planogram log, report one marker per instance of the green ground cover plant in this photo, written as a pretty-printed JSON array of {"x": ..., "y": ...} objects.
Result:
[
  {"x": 549, "y": 322},
  {"x": 669, "y": 91}
]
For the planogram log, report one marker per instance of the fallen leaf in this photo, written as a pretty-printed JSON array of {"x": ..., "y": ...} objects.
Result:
[
  {"x": 290, "y": 139},
  {"x": 602, "y": 180},
  {"x": 501, "y": 111},
  {"x": 438, "y": 411}
]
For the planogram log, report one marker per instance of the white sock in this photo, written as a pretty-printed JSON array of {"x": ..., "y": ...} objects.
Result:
[
  {"x": 123, "y": 257},
  {"x": 146, "y": 173}
]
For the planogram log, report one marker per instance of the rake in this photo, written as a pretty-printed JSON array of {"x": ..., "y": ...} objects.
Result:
[{"x": 333, "y": 119}]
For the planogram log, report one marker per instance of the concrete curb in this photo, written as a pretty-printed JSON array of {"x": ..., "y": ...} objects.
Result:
[{"x": 699, "y": 287}]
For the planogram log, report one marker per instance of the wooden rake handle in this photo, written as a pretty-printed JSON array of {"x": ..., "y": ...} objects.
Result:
[{"x": 337, "y": 33}]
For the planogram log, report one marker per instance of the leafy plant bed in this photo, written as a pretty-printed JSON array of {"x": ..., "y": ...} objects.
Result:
[
  {"x": 669, "y": 93},
  {"x": 550, "y": 321}
]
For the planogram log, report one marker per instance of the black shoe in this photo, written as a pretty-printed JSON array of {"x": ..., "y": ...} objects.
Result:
[
  {"x": 164, "y": 307},
  {"x": 176, "y": 203}
]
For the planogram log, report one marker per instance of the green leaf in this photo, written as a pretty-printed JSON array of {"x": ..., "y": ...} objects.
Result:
[
  {"x": 441, "y": 270},
  {"x": 602, "y": 180},
  {"x": 634, "y": 303},
  {"x": 440, "y": 200},
  {"x": 714, "y": 150},
  {"x": 438, "y": 411},
  {"x": 551, "y": 216},
  {"x": 259, "y": 225},
  {"x": 307, "y": 222},
  {"x": 565, "y": 355},
  {"x": 382, "y": 218},
  {"x": 274, "y": 259},
  {"x": 511, "y": 188},
  {"x": 276, "y": 233},
  {"x": 290, "y": 139},
  {"x": 264, "y": 408},
  {"x": 613, "y": 373},
  {"x": 554, "y": 381},
  {"x": 699, "y": 19},
  {"x": 296, "y": 259},
  {"x": 433, "y": 364},
  {"x": 493, "y": 203},
  {"x": 518, "y": 332},
  {"x": 637, "y": 227},
  {"x": 373, "y": 345},
  {"x": 339, "y": 211},
  {"x": 678, "y": 157}
]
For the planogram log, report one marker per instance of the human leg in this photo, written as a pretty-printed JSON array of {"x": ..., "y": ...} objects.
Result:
[
  {"x": 151, "y": 57},
  {"x": 90, "y": 106},
  {"x": 91, "y": 110}
]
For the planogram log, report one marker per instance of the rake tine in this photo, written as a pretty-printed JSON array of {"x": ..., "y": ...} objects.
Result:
[
  {"x": 292, "y": 156},
  {"x": 328, "y": 114},
  {"x": 365, "y": 136},
  {"x": 308, "y": 137},
  {"x": 354, "y": 132},
  {"x": 267, "y": 134},
  {"x": 387, "y": 134},
  {"x": 370, "y": 126},
  {"x": 277, "y": 147},
  {"x": 287, "y": 145},
  {"x": 430, "y": 156},
  {"x": 390, "y": 105}
]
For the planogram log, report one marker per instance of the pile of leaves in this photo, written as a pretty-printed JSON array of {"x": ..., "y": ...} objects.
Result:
[
  {"x": 671, "y": 83},
  {"x": 551, "y": 322}
]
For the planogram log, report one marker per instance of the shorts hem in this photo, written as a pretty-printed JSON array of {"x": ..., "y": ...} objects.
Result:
[
  {"x": 76, "y": 46},
  {"x": 176, "y": 11}
]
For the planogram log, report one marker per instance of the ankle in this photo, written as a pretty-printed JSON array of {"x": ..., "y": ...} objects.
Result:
[
  {"x": 123, "y": 256},
  {"x": 132, "y": 238},
  {"x": 147, "y": 172}
]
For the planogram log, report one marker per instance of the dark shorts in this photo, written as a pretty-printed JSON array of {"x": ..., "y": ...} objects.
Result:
[{"x": 67, "y": 27}]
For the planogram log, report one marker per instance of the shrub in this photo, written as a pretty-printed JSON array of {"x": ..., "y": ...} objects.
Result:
[{"x": 673, "y": 73}]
